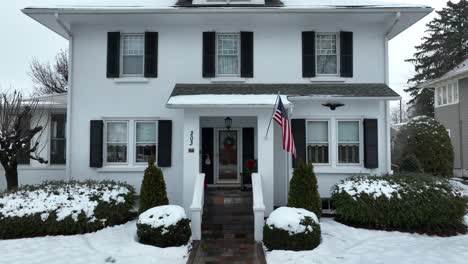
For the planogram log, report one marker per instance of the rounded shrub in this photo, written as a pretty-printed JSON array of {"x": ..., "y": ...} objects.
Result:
[
  {"x": 291, "y": 229},
  {"x": 404, "y": 202},
  {"x": 64, "y": 208},
  {"x": 164, "y": 226},
  {"x": 153, "y": 188},
  {"x": 411, "y": 164},
  {"x": 303, "y": 192},
  {"x": 428, "y": 140}
]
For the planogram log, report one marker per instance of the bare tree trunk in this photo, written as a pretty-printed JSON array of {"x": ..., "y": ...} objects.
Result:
[{"x": 11, "y": 174}]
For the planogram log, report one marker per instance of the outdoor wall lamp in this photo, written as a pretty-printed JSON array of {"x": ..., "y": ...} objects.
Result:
[{"x": 228, "y": 122}]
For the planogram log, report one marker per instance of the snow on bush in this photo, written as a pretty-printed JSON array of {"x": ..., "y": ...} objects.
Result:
[
  {"x": 61, "y": 208},
  {"x": 164, "y": 226},
  {"x": 290, "y": 228},
  {"x": 405, "y": 202},
  {"x": 291, "y": 219},
  {"x": 162, "y": 216}
]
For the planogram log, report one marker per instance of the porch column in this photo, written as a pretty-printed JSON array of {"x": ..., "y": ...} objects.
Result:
[
  {"x": 266, "y": 158},
  {"x": 191, "y": 155}
]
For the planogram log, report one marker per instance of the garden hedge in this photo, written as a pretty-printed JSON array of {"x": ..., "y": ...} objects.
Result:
[
  {"x": 405, "y": 202},
  {"x": 64, "y": 208}
]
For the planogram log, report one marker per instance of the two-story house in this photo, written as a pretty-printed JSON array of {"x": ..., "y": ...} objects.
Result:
[{"x": 193, "y": 83}]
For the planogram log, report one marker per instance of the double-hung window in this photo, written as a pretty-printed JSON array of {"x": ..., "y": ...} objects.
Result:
[
  {"x": 133, "y": 50},
  {"x": 348, "y": 142},
  {"x": 317, "y": 142},
  {"x": 57, "y": 139},
  {"x": 145, "y": 141},
  {"x": 116, "y": 141},
  {"x": 327, "y": 54},
  {"x": 227, "y": 54}
]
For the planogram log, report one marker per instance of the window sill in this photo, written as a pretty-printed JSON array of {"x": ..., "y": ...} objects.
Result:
[
  {"x": 122, "y": 168},
  {"x": 131, "y": 80},
  {"x": 228, "y": 80},
  {"x": 328, "y": 79}
]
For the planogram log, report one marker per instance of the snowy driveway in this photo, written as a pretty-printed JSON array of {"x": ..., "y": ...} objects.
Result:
[
  {"x": 344, "y": 245},
  {"x": 114, "y": 244}
]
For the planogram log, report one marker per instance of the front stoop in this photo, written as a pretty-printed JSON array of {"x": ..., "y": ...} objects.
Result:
[{"x": 227, "y": 229}]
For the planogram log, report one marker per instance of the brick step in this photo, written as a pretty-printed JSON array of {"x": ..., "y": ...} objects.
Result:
[
  {"x": 239, "y": 220},
  {"x": 228, "y": 237}
]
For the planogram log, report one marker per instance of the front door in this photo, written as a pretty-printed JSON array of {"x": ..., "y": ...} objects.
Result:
[{"x": 227, "y": 162}]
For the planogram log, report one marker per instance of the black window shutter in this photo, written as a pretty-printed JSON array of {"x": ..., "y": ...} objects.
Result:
[
  {"x": 248, "y": 149},
  {"x": 346, "y": 54},
  {"x": 308, "y": 54},
  {"x": 151, "y": 54},
  {"x": 209, "y": 54},
  {"x": 113, "y": 54},
  {"x": 371, "y": 149},
  {"x": 164, "y": 143},
  {"x": 207, "y": 153},
  {"x": 96, "y": 143},
  {"x": 247, "y": 51},
  {"x": 299, "y": 135}
]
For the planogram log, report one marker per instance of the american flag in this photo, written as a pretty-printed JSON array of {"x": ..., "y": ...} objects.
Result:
[{"x": 281, "y": 117}]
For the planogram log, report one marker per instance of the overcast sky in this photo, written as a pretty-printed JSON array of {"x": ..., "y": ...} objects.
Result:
[{"x": 23, "y": 39}]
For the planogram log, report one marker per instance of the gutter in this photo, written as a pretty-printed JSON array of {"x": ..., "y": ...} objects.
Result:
[{"x": 69, "y": 97}]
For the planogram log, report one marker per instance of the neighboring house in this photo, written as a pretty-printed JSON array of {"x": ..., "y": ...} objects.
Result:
[
  {"x": 166, "y": 79},
  {"x": 451, "y": 109}
]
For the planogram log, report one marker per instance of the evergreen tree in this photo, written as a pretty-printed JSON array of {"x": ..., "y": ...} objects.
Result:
[
  {"x": 303, "y": 192},
  {"x": 153, "y": 188},
  {"x": 444, "y": 48}
]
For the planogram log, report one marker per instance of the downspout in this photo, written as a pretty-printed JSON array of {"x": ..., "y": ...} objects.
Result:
[
  {"x": 387, "y": 103},
  {"x": 69, "y": 97}
]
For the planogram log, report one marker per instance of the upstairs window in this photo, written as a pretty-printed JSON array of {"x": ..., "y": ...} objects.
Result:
[
  {"x": 446, "y": 94},
  {"x": 327, "y": 54},
  {"x": 133, "y": 51},
  {"x": 348, "y": 142},
  {"x": 227, "y": 54},
  {"x": 317, "y": 142}
]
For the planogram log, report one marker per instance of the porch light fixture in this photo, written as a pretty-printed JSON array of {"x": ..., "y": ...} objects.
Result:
[{"x": 228, "y": 122}]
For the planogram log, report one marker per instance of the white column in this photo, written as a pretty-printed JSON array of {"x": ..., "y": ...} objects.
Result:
[
  {"x": 191, "y": 155},
  {"x": 266, "y": 158}
]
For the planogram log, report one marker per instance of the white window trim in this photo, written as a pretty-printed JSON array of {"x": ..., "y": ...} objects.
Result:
[
  {"x": 122, "y": 74},
  {"x": 329, "y": 143},
  {"x": 361, "y": 142},
  {"x": 134, "y": 145},
  {"x": 238, "y": 56},
  {"x": 106, "y": 122},
  {"x": 445, "y": 93},
  {"x": 338, "y": 48}
]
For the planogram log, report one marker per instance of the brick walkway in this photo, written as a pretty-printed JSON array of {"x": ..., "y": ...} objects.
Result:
[{"x": 227, "y": 229}]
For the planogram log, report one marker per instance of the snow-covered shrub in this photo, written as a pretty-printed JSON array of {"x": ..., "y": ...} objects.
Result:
[
  {"x": 64, "y": 208},
  {"x": 405, "y": 202},
  {"x": 428, "y": 140},
  {"x": 164, "y": 226},
  {"x": 290, "y": 228}
]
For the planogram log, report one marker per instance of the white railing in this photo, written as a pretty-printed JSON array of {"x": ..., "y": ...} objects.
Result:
[
  {"x": 258, "y": 206},
  {"x": 196, "y": 209}
]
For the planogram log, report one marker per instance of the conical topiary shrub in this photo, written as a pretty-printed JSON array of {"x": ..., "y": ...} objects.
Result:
[
  {"x": 303, "y": 192},
  {"x": 153, "y": 188}
]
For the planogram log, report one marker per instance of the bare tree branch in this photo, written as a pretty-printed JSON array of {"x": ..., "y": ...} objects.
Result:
[{"x": 50, "y": 79}]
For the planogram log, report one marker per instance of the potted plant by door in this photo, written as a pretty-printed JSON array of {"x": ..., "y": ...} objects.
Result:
[{"x": 251, "y": 167}]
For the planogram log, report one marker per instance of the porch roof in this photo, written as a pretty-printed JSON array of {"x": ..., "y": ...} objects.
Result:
[{"x": 185, "y": 95}]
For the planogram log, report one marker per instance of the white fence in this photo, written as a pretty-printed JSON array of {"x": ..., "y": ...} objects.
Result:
[
  {"x": 196, "y": 209},
  {"x": 258, "y": 206}
]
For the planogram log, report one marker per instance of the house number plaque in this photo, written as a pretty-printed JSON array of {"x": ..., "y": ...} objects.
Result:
[{"x": 191, "y": 138}]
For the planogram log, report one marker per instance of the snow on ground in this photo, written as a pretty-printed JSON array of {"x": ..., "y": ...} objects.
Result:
[
  {"x": 162, "y": 216},
  {"x": 344, "y": 245},
  {"x": 374, "y": 187},
  {"x": 116, "y": 244},
  {"x": 456, "y": 182}
]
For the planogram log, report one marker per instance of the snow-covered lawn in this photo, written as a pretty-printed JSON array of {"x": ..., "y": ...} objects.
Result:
[
  {"x": 342, "y": 244},
  {"x": 111, "y": 245}
]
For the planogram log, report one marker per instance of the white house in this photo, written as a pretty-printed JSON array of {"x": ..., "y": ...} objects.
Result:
[{"x": 160, "y": 78}]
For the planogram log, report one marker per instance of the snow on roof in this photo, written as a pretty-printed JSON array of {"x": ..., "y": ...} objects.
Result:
[
  {"x": 164, "y": 4},
  {"x": 224, "y": 100},
  {"x": 460, "y": 68}
]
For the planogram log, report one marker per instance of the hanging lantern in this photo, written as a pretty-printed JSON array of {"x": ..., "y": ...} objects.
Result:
[{"x": 228, "y": 122}]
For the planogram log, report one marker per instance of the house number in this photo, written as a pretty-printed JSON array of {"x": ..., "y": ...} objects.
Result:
[{"x": 191, "y": 138}]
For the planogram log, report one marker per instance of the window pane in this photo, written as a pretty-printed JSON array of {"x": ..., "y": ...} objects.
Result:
[
  {"x": 317, "y": 131},
  {"x": 228, "y": 54},
  {"x": 132, "y": 64},
  {"x": 117, "y": 132},
  {"x": 348, "y": 153},
  {"x": 327, "y": 54},
  {"x": 455, "y": 91},
  {"x": 450, "y": 93},
  {"x": 57, "y": 151},
  {"x": 145, "y": 151},
  {"x": 317, "y": 153},
  {"x": 326, "y": 64},
  {"x": 133, "y": 44},
  {"x": 145, "y": 132},
  {"x": 444, "y": 95},
  {"x": 348, "y": 131},
  {"x": 116, "y": 152},
  {"x": 58, "y": 142}
]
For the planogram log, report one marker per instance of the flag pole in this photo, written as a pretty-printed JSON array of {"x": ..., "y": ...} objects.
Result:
[{"x": 274, "y": 109}]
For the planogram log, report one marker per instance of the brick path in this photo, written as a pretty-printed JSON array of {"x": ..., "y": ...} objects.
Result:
[{"x": 227, "y": 229}]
